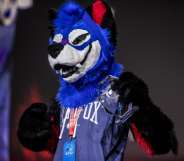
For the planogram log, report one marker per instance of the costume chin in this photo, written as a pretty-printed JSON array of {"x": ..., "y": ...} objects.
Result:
[{"x": 105, "y": 101}]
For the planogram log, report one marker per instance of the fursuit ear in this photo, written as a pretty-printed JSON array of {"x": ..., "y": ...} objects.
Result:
[
  {"x": 103, "y": 15},
  {"x": 52, "y": 13}
]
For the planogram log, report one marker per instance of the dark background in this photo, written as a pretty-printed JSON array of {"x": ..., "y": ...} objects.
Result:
[{"x": 150, "y": 43}]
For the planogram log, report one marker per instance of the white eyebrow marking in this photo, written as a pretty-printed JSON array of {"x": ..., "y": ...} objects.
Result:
[{"x": 58, "y": 38}]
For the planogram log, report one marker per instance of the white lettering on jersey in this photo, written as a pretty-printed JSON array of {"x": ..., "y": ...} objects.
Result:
[
  {"x": 94, "y": 117},
  {"x": 67, "y": 114},
  {"x": 88, "y": 115},
  {"x": 87, "y": 111}
]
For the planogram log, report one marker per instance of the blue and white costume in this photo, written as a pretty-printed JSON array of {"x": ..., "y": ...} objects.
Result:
[{"x": 97, "y": 102}]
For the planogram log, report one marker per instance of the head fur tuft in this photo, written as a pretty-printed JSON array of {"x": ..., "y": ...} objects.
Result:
[{"x": 68, "y": 14}]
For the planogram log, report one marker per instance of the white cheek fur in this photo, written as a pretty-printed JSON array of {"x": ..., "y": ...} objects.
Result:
[
  {"x": 89, "y": 63},
  {"x": 68, "y": 56},
  {"x": 73, "y": 57}
]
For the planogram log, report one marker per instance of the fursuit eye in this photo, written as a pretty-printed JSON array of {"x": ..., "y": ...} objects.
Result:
[{"x": 80, "y": 39}]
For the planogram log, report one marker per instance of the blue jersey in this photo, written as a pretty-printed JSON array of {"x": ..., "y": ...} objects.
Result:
[{"x": 99, "y": 136}]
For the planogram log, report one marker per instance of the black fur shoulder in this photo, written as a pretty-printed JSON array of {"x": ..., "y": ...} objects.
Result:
[{"x": 154, "y": 128}]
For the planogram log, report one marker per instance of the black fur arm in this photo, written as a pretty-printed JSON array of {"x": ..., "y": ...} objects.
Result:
[
  {"x": 152, "y": 129},
  {"x": 38, "y": 128}
]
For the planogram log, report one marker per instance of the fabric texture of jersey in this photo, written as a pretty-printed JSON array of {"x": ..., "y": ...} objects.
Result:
[{"x": 99, "y": 136}]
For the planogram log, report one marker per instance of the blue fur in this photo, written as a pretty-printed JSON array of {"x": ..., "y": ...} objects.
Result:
[
  {"x": 89, "y": 87},
  {"x": 68, "y": 15}
]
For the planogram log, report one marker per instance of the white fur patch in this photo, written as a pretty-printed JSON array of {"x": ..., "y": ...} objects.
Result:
[
  {"x": 75, "y": 34},
  {"x": 73, "y": 57},
  {"x": 88, "y": 64},
  {"x": 58, "y": 38},
  {"x": 68, "y": 56}
]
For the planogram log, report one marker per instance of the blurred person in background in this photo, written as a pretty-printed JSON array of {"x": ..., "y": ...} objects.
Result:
[{"x": 8, "y": 14}]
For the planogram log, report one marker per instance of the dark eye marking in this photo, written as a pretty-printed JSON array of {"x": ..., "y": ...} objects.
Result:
[
  {"x": 80, "y": 39},
  {"x": 55, "y": 49}
]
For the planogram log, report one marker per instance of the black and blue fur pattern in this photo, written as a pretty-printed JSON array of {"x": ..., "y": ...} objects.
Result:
[
  {"x": 35, "y": 127},
  {"x": 69, "y": 17}
]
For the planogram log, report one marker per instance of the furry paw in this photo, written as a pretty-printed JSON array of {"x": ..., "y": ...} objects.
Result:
[
  {"x": 35, "y": 127},
  {"x": 152, "y": 129},
  {"x": 131, "y": 89}
]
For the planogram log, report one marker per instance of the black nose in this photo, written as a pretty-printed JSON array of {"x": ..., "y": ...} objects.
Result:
[{"x": 55, "y": 49}]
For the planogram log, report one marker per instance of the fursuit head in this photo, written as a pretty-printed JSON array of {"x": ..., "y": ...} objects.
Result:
[{"x": 81, "y": 49}]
